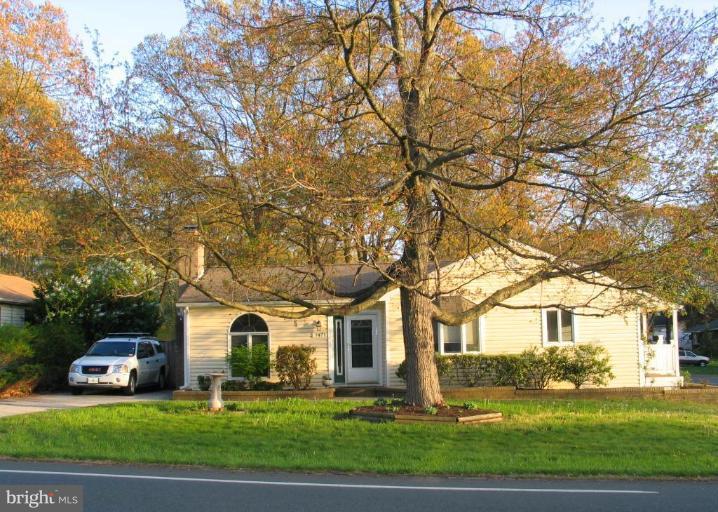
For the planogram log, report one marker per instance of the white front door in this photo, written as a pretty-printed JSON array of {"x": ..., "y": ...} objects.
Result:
[
  {"x": 662, "y": 355},
  {"x": 362, "y": 349}
]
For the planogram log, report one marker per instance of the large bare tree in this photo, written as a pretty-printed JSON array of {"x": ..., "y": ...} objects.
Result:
[{"x": 397, "y": 134}]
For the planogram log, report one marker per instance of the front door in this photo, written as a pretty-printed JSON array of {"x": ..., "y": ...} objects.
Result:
[
  {"x": 362, "y": 354},
  {"x": 661, "y": 354}
]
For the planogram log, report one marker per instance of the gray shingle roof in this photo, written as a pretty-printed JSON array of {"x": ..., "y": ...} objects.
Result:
[
  {"x": 16, "y": 290},
  {"x": 301, "y": 281}
]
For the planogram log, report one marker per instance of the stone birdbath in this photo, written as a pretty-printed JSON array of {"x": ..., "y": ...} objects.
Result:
[{"x": 216, "y": 403}]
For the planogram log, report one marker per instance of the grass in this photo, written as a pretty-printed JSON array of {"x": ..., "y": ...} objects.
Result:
[
  {"x": 619, "y": 438},
  {"x": 711, "y": 369}
]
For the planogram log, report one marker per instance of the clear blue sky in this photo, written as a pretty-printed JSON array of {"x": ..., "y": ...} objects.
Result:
[{"x": 122, "y": 24}]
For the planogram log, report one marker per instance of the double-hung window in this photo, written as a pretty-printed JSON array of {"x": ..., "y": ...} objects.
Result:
[
  {"x": 458, "y": 339},
  {"x": 559, "y": 326}
]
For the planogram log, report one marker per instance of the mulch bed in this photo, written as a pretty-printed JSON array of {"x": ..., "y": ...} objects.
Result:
[
  {"x": 414, "y": 414},
  {"x": 451, "y": 410}
]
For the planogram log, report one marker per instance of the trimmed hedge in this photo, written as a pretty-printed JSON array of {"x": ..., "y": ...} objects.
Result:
[{"x": 531, "y": 369}]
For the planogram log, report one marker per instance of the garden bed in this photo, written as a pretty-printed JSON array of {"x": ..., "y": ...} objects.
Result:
[
  {"x": 413, "y": 414},
  {"x": 309, "y": 394}
]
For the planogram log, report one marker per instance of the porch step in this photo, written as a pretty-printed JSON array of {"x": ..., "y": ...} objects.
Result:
[{"x": 663, "y": 380}]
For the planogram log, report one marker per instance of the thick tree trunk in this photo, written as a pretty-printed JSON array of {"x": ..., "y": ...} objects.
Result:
[{"x": 422, "y": 379}]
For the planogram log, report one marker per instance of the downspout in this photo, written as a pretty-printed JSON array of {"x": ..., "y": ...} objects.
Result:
[
  {"x": 641, "y": 327},
  {"x": 186, "y": 346},
  {"x": 676, "y": 338}
]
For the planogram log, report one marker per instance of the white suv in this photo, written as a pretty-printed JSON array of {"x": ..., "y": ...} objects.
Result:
[{"x": 120, "y": 361}]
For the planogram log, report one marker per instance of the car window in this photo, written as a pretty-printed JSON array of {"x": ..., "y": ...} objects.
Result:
[
  {"x": 159, "y": 348},
  {"x": 144, "y": 350},
  {"x": 112, "y": 348}
]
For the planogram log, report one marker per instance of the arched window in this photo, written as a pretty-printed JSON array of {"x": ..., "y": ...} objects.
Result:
[{"x": 248, "y": 331}]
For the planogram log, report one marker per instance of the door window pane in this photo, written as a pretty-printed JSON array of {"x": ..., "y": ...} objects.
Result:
[
  {"x": 566, "y": 326},
  {"x": 362, "y": 344},
  {"x": 552, "y": 325}
]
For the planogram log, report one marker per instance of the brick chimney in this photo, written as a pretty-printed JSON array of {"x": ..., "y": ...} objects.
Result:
[{"x": 191, "y": 261}]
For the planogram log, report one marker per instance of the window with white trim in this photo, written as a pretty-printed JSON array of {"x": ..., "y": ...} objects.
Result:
[
  {"x": 559, "y": 326},
  {"x": 248, "y": 331},
  {"x": 458, "y": 339}
]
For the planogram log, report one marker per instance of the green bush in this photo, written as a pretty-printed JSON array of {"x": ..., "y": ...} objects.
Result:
[
  {"x": 533, "y": 368},
  {"x": 204, "y": 382},
  {"x": 295, "y": 365},
  {"x": 507, "y": 370},
  {"x": 443, "y": 366},
  {"x": 16, "y": 365},
  {"x": 15, "y": 345},
  {"x": 56, "y": 344},
  {"x": 587, "y": 364},
  {"x": 541, "y": 367},
  {"x": 252, "y": 364}
]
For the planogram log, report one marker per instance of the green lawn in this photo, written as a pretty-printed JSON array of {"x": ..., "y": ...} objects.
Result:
[
  {"x": 645, "y": 438},
  {"x": 711, "y": 369}
]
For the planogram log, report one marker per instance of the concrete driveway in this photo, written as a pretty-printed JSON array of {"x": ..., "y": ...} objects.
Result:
[{"x": 44, "y": 402}]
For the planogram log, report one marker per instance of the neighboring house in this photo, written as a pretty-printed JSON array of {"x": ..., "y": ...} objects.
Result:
[
  {"x": 366, "y": 349},
  {"x": 701, "y": 335},
  {"x": 16, "y": 295}
]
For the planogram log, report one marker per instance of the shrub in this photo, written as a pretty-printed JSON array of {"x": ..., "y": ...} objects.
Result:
[
  {"x": 469, "y": 369},
  {"x": 234, "y": 385},
  {"x": 252, "y": 364},
  {"x": 265, "y": 385},
  {"x": 443, "y": 366},
  {"x": 18, "y": 376},
  {"x": 38, "y": 355},
  {"x": 56, "y": 344},
  {"x": 20, "y": 380},
  {"x": 541, "y": 367},
  {"x": 295, "y": 365},
  {"x": 508, "y": 370},
  {"x": 587, "y": 364},
  {"x": 204, "y": 382},
  {"x": 15, "y": 345}
]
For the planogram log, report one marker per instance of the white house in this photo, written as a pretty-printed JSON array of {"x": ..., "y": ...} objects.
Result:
[
  {"x": 366, "y": 349},
  {"x": 16, "y": 294}
]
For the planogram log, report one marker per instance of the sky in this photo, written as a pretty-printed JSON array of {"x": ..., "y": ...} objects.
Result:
[{"x": 123, "y": 24}]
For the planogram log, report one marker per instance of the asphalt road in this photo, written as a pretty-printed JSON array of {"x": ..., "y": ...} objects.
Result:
[{"x": 110, "y": 488}]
